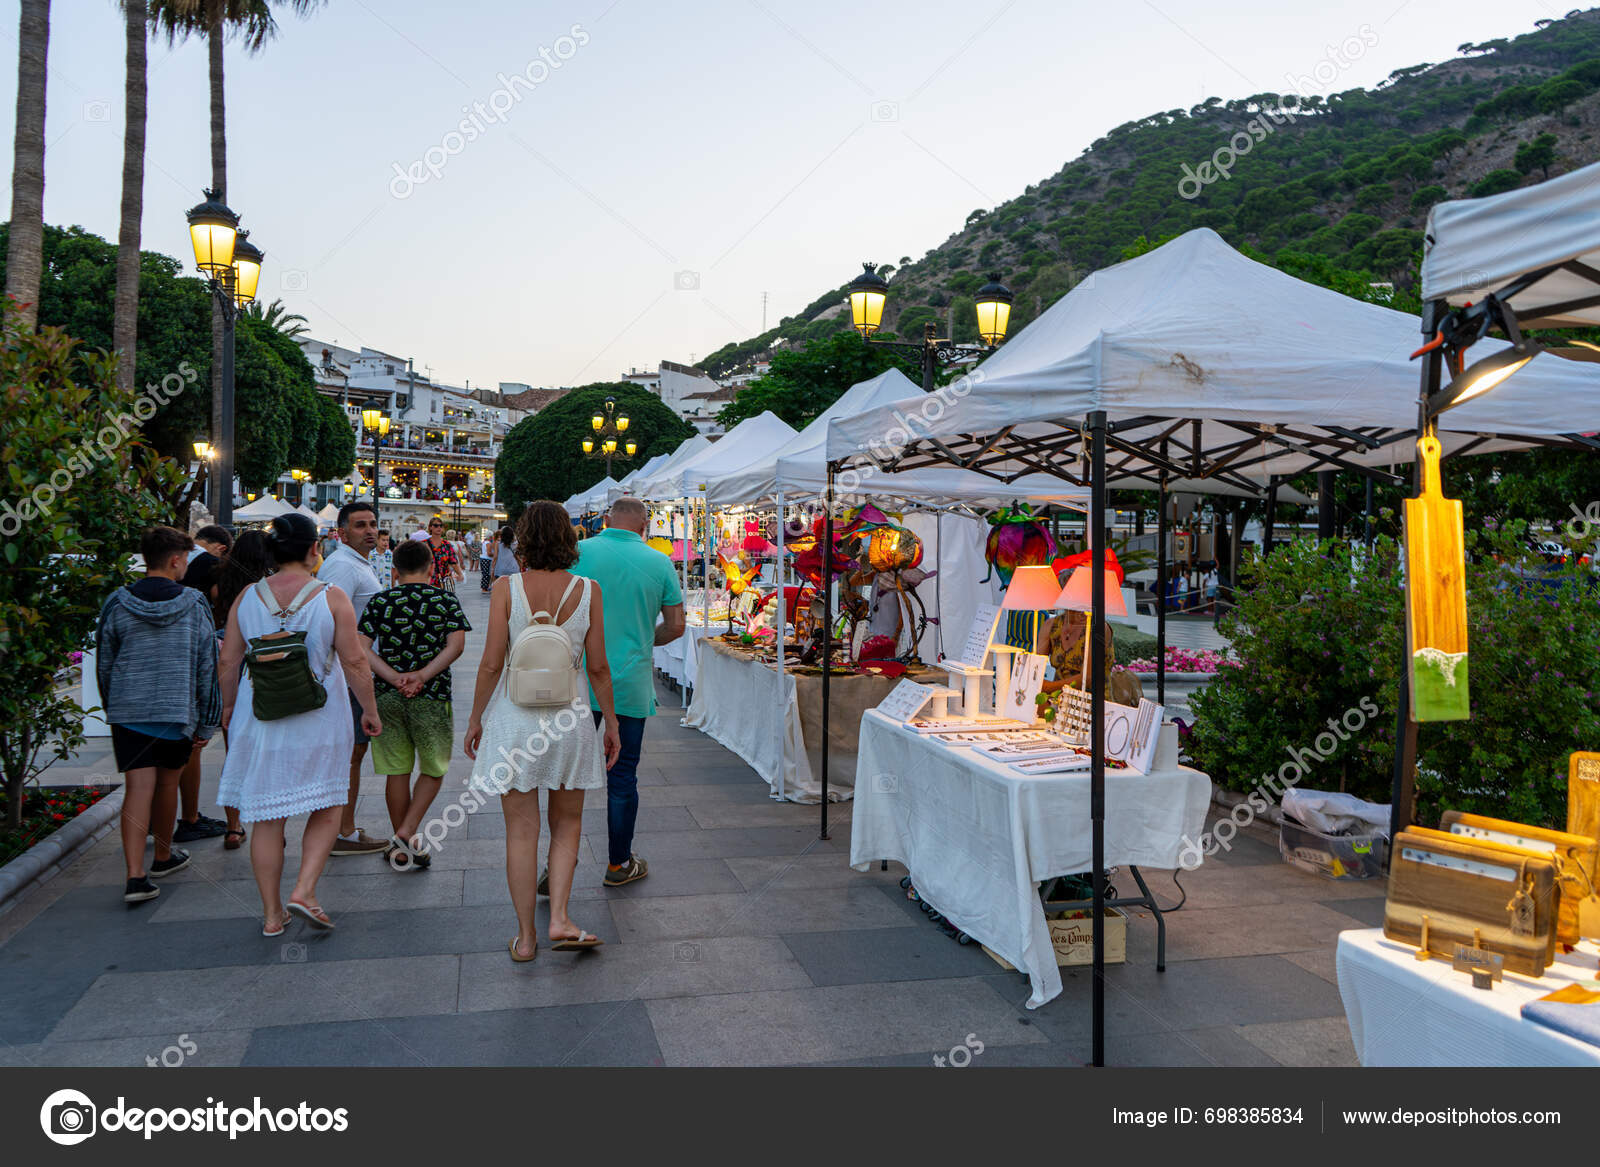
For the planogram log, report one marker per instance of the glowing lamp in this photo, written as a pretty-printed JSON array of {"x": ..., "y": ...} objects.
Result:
[
  {"x": 588, "y": 445},
  {"x": 202, "y": 450},
  {"x": 622, "y": 423},
  {"x": 213, "y": 230},
  {"x": 1078, "y": 595},
  {"x": 868, "y": 293},
  {"x": 893, "y": 549},
  {"x": 247, "y": 259},
  {"x": 1033, "y": 589},
  {"x": 1482, "y": 376},
  {"x": 598, "y": 422},
  {"x": 632, "y": 447},
  {"x": 994, "y": 310}
]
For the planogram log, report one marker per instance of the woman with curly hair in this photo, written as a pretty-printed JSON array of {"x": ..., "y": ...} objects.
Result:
[{"x": 518, "y": 750}]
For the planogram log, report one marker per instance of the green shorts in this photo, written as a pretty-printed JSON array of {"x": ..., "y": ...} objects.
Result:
[{"x": 417, "y": 731}]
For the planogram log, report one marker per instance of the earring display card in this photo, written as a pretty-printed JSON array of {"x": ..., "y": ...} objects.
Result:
[{"x": 1027, "y": 679}]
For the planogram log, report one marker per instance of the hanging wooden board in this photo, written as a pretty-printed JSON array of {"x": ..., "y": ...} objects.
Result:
[{"x": 1436, "y": 597}]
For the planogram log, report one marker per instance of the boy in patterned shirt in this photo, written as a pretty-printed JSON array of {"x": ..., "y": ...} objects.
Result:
[{"x": 412, "y": 632}]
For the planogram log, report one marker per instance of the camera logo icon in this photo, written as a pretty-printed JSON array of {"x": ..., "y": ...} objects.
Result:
[
  {"x": 885, "y": 111},
  {"x": 68, "y": 1117},
  {"x": 685, "y": 281},
  {"x": 294, "y": 954},
  {"x": 294, "y": 280},
  {"x": 97, "y": 111},
  {"x": 686, "y": 953},
  {"x": 886, "y": 783}
]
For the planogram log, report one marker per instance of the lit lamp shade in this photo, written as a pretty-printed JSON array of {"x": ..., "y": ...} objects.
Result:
[
  {"x": 588, "y": 445},
  {"x": 622, "y": 423},
  {"x": 893, "y": 549},
  {"x": 247, "y": 259},
  {"x": 611, "y": 445},
  {"x": 994, "y": 310},
  {"x": 213, "y": 230},
  {"x": 597, "y": 422},
  {"x": 1078, "y": 595},
  {"x": 1033, "y": 589},
  {"x": 370, "y": 418},
  {"x": 868, "y": 293}
]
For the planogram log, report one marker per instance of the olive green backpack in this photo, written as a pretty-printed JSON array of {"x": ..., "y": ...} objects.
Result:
[{"x": 282, "y": 681}]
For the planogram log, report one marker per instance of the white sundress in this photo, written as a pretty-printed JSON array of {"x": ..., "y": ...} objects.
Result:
[
  {"x": 540, "y": 749},
  {"x": 294, "y": 765}
]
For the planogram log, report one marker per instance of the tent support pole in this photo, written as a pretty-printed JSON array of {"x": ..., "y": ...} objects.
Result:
[
  {"x": 1097, "y": 728},
  {"x": 827, "y": 638},
  {"x": 1325, "y": 505},
  {"x": 1272, "y": 517},
  {"x": 1161, "y": 586},
  {"x": 1403, "y": 793},
  {"x": 688, "y": 633},
  {"x": 780, "y": 624},
  {"x": 1366, "y": 517}
]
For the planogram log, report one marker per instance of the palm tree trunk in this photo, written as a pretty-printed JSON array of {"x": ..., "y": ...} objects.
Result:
[
  {"x": 125, "y": 312},
  {"x": 219, "y": 183},
  {"x": 25, "y": 248}
]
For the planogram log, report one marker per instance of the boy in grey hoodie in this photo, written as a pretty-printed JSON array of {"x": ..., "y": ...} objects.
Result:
[{"x": 156, "y": 663}]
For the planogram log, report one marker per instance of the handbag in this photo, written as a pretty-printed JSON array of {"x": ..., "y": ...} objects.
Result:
[{"x": 282, "y": 682}]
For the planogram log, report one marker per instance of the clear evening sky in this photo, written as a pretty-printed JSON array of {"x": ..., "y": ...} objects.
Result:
[{"x": 660, "y": 163}]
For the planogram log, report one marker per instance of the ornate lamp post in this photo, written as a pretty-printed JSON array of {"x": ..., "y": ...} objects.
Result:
[
  {"x": 203, "y": 453},
  {"x": 376, "y": 423},
  {"x": 456, "y": 497},
  {"x": 869, "y": 292},
  {"x": 232, "y": 267},
  {"x": 300, "y": 476},
  {"x": 608, "y": 426}
]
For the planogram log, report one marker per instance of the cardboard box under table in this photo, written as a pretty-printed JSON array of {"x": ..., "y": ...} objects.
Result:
[{"x": 978, "y": 837}]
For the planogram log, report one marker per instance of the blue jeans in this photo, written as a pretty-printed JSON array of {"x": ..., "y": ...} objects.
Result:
[{"x": 622, "y": 788}]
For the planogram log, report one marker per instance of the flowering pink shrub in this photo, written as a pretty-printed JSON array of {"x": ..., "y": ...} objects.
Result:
[{"x": 1186, "y": 660}]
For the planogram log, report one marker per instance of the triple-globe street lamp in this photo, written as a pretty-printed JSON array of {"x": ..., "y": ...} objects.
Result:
[{"x": 869, "y": 292}]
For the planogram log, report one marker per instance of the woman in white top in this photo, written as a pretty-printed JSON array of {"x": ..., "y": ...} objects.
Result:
[
  {"x": 277, "y": 770},
  {"x": 518, "y": 751}
]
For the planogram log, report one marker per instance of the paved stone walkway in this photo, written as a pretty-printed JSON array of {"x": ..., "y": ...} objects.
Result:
[{"x": 751, "y": 942}]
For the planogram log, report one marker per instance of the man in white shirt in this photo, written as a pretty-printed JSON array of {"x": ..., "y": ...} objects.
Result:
[{"x": 349, "y": 570}]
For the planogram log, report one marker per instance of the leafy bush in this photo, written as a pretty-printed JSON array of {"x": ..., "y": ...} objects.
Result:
[
  {"x": 1318, "y": 633},
  {"x": 1496, "y": 182}
]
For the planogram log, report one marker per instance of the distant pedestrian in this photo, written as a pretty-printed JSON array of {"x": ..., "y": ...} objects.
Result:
[
  {"x": 486, "y": 561},
  {"x": 349, "y": 570},
  {"x": 446, "y": 563},
  {"x": 156, "y": 665},
  {"x": 288, "y": 717},
  {"x": 382, "y": 559},
  {"x": 519, "y": 749},
  {"x": 638, "y": 586},
  {"x": 412, "y": 632},
  {"x": 213, "y": 543},
  {"x": 505, "y": 553}
]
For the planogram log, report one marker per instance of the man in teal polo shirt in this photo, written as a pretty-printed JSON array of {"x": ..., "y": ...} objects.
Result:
[{"x": 637, "y": 584}]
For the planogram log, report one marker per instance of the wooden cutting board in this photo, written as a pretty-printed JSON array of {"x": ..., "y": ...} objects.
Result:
[
  {"x": 1577, "y": 860},
  {"x": 1436, "y": 597}
]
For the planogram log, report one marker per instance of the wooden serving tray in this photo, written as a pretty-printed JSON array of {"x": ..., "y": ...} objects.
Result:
[
  {"x": 1446, "y": 890},
  {"x": 1575, "y": 856}
]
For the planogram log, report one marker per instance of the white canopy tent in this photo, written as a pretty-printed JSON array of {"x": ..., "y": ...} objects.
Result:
[
  {"x": 596, "y": 498},
  {"x": 262, "y": 509},
  {"x": 629, "y": 481},
  {"x": 645, "y": 485},
  {"x": 1239, "y": 371},
  {"x": 309, "y": 513},
  {"x": 1475, "y": 247},
  {"x": 328, "y": 515},
  {"x": 751, "y": 440}
]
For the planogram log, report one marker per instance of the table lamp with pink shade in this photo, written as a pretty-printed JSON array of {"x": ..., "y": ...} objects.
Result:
[
  {"x": 1078, "y": 596},
  {"x": 1033, "y": 589}
]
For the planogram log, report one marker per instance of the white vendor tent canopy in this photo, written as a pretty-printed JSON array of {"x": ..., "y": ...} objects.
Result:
[
  {"x": 594, "y": 499},
  {"x": 798, "y": 468},
  {"x": 645, "y": 485},
  {"x": 328, "y": 515},
  {"x": 1215, "y": 368},
  {"x": 1537, "y": 248},
  {"x": 309, "y": 513},
  {"x": 262, "y": 509},
  {"x": 749, "y": 441},
  {"x": 630, "y": 480}
]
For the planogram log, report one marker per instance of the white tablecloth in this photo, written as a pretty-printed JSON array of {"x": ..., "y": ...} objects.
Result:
[
  {"x": 978, "y": 837},
  {"x": 738, "y": 702},
  {"x": 680, "y": 658},
  {"x": 1409, "y": 1012}
]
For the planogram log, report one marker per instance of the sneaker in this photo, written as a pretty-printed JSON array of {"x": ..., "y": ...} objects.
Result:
[
  {"x": 361, "y": 844},
  {"x": 544, "y": 882},
  {"x": 634, "y": 868},
  {"x": 201, "y": 828},
  {"x": 139, "y": 890},
  {"x": 177, "y": 861}
]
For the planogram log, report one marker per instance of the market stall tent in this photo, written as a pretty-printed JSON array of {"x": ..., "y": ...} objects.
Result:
[
  {"x": 263, "y": 508},
  {"x": 1475, "y": 247},
  {"x": 596, "y": 498},
  {"x": 751, "y": 440},
  {"x": 645, "y": 485}
]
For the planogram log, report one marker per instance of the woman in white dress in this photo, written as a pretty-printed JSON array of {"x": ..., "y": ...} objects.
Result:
[
  {"x": 518, "y": 751},
  {"x": 296, "y": 765}
]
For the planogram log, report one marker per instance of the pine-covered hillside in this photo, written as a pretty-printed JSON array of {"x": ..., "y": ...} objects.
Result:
[{"x": 1345, "y": 180}]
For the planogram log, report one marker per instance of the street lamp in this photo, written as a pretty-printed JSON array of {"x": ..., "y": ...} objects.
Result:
[
  {"x": 301, "y": 476},
  {"x": 376, "y": 423},
  {"x": 247, "y": 259},
  {"x": 869, "y": 292},
  {"x": 458, "y": 495},
  {"x": 214, "y": 234},
  {"x": 203, "y": 454},
  {"x": 608, "y": 425}
]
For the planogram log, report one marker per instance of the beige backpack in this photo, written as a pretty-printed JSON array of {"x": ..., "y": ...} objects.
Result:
[{"x": 539, "y": 668}]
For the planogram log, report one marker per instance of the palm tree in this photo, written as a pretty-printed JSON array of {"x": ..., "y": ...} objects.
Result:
[
  {"x": 125, "y": 307},
  {"x": 25, "y": 247},
  {"x": 275, "y": 315}
]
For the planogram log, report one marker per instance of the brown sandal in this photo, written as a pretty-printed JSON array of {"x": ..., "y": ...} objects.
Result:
[
  {"x": 230, "y": 842},
  {"x": 511, "y": 946}
]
